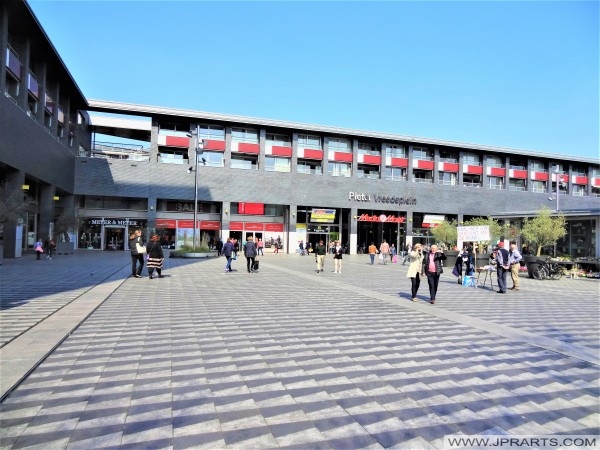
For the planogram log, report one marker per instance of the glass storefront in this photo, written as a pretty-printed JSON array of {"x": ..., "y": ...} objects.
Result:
[{"x": 107, "y": 233}]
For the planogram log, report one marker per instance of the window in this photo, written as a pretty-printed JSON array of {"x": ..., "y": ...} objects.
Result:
[
  {"x": 276, "y": 164},
  {"x": 495, "y": 161},
  {"x": 496, "y": 182},
  {"x": 213, "y": 159},
  {"x": 212, "y": 132},
  {"x": 595, "y": 172},
  {"x": 578, "y": 190},
  {"x": 309, "y": 167},
  {"x": 169, "y": 156},
  {"x": 60, "y": 131},
  {"x": 368, "y": 149},
  {"x": 471, "y": 159},
  {"x": 174, "y": 129},
  {"x": 538, "y": 187},
  {"x": 448, "y": 178},
  {"x": 279, "y": 139},
  {"x": 340, "y": 145},
  {"x": 244, "y": 135},
  {"x": 337, "y": 169},
  {"x": 448, "y": 156},
  {"x": 470, "y": 180},
  {"x": 395, "y": 173},
  {"x": 579, "y": 171},
  {"x": 82, "y": 151},
  {"x": 595, "y": 191},
  {"x": 422, "y": 153},
  {"x": 309, "y": 141},
  {"x": 538, "y": 166},
  {"x": 395, "y": 151},
  {"x": 517, "y": 185},
  {"x": 243, "y": 161},
  {"x": 366, "y": 171},
  {"x": 47, "y": 118},
  {"x": 80, "y": 119},
  {"x": 423, "y": 176},
  {"x": 518, "y": 164}
]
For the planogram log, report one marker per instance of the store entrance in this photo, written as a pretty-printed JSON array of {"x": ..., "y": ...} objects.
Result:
[
  {"x": 114, "y": 238},
  {"x": 314, "y": 239}
]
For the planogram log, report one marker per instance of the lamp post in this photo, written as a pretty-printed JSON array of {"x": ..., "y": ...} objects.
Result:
[{"x": 199, "y": 145}]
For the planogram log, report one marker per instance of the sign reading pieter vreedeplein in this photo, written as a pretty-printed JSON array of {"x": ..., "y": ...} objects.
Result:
[
  {"x": 362, "y": 197},
  {"x": 473, "y": 234}
]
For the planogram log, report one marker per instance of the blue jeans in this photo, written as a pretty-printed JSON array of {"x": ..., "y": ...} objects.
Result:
[
  {"x": 228, "y": 265},
  {"x": 372, "y": 258}
]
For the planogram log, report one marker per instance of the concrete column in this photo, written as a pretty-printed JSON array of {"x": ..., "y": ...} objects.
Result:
[
  {"x": 325, "y": 155},
  {"x": 353, "y": 214},
  {"x": 507, "y": 171},
  {"x": 3, "y": 44},
  {"x": 225, "y": 220},
  {"x": 227, "y": 155},
  {"x": 46, "y": 211},
  {"x": 436, "y": 164},
  {"x": 460, "y": 175},
  {"x": 262, "y": 139},
  {"x": 354, "y": 158},
  {"x": 294, "y": 161},
  {"x": 14, "y": 222},
  {"x": 409, "y": 170}
]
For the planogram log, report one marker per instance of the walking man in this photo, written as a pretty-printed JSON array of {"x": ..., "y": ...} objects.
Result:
[
  {"x": 514, "y": 259},
  {"x": 432, "y": 268},
  {"x": 320, "y": 252},
  {"x": 502, "y": 267}
]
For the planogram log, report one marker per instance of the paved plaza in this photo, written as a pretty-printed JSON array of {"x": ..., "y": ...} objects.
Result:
[{"x": 94, "y": 359}]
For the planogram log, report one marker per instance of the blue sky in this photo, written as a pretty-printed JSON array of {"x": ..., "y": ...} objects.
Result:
[{"x": 512, "y": 74}]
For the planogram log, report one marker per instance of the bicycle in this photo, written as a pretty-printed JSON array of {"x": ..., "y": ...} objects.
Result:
[{"x": 547, "y": 269}]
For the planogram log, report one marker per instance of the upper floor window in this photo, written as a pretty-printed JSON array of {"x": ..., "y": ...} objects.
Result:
[
  {"x": 538, "y": 187},
  {"x": 338, "y": 169},
  {"x": 309, "y": 166},
  {"x": 309, "y": 141},
  {"x": 364, "y": 171},
  {"x": 448, "y": 156},
  {"x": 279, "y": 139},
  {"x": 368, "y": 149},
  {"x": 555, "y": 167},
  {"x": 242, "y": 161},
  {"x": 340, "y": 145},
  {"x": 496, "y": 182},
  {"x": 470, "y": 180},
  {"x": 173, "y": 128},
  {"x": 80, "y": 119},
  {"x": 517, "y": 185},
  {"x": 244, "y": 135},
  {"x": 518, "y": 164},
  {"x": 422, "y": 153},
  {"x": 212, "y": 132},
  {"x": 395, "y": 151},
  {"x": 595, "y": 172},
  {"x": 395, "y": 173},
  {"x": 472, "y": 159},
  {"x": 448, "y": 178},
  {"x": 578, "y": 170},
  {"x": 212, "y": 159},
  {"x": 422, "y": 176},
  {"x": 277, "y": 164},
  {"x": 578, "y": 190},
  {"x": 495, "y": 161},
  {"x": 537, "y": 166}
]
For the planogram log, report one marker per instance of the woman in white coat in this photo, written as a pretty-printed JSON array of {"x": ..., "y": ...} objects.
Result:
[{"x": 414, "y": 269}]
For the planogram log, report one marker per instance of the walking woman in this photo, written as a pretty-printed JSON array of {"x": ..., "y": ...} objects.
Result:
[
  {"x": 338, "y": 251},
  {"x": 155, "y": 256},
  {"x": 414, "y": 269},
  {"x": 135, "y": 239}
]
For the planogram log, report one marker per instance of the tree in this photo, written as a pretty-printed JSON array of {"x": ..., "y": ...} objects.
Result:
[
  {"x": 11, "y": 203},
  {"x": 445, "y": 233},
  {"x": 543, "y": 229}
]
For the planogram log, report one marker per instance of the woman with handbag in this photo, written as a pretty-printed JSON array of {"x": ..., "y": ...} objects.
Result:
[
  {"x": 155, "y": 256},
  {"x": 138, "y": 251}
]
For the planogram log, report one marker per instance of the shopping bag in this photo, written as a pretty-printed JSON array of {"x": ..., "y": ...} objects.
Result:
[
  {"x": 468, "y": 281},
  {"x": 395, "y": 259},
  {"x": 381, "y": 256}
]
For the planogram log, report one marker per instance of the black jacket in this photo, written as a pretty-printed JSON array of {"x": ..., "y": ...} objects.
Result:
[{"x": 437, "y": 259}]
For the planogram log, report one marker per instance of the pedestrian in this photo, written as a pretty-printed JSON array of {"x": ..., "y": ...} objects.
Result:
[
  {"x": 50, "y": 245},
  {"x": 502, "y": 266},
  {"x": 384, "y": 249},
  {"x": 414, "y": 269},
  {"x": 406, "y": 254},
  {"x": 138, "y": 250},
  {"x": 301, "y": 246},
  {"x": 308, "y": 248},
  {"x": 372, "y": 252},
  {"x": 276, "y": 246},
  {"x": 228, "y": 251},
  {"x": 514, "y": 259},
  {"x": 432, "y": 268},
  {"x": 320, "y": 252},
  {"x": 464, "y": 258},
  {"x": 338, "y": 251},
  {"x": 155, "y": 256},
  {"x": 219, "y": 247},
  {"x": 39, "y": 248},
  {"x": 259, "y": 247},
  {"x": 393, "y": 253},
  {"x": 250, "y": 253}
]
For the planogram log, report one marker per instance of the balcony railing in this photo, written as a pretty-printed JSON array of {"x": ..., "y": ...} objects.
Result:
[
  {"x": 496, "y": 186},
  {"x": 471, "y": 185},
  {"x": 517, "y": 188},
  {"x": 423, "y": 180},
  {"x": 539, "y": 190},
  {"x": 448, "y": 182},
  {"x": 395, "y": 177}
]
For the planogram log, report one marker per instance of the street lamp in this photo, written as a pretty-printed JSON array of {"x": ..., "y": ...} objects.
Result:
[{"x": 198, "y": 147}]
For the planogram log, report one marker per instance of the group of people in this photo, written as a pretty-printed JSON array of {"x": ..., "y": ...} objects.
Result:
[
  {"x": 337, "y": 250},
  {"x": 152, "y": 253},
  {"x": 385, "y": 251},
  {"x": 47, "y": 246},
  {"x": 250, "y": 249},
  {"x": 425, "y": 264}
]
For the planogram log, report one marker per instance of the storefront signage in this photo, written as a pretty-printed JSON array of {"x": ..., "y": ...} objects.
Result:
[
  {"x": 322, "y": 215},
  {"x": 124, "y": 222},
  {"x": 362, "y": 197},
  {"x": 275, "y": 227},
  {"x": 381, "y": 218}
]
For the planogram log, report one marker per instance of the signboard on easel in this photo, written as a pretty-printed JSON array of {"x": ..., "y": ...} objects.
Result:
[{"x": 472, "y": 234}]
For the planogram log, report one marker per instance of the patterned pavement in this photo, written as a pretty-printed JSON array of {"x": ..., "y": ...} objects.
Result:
[{"x": 291, "y": 358}]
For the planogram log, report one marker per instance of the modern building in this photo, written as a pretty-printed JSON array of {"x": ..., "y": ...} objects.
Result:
[{"x": 272, "y": 179}]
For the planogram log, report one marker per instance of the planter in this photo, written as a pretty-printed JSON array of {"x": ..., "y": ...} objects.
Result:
[
  {"x": 451, "y": 256},
  {"x": 65, "y": 248},
  {"x": 177, "y": 254}
]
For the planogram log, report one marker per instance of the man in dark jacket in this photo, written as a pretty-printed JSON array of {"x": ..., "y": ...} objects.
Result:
[
  {"x": 250, "y": 253},
  {"x": 432, "y": 268},
  {"x": 502, "y": 267},
  {"x": 228, "y": 252},
  {"x": 320, "y": 252}
]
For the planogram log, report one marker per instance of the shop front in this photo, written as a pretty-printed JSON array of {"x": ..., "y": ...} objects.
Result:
[
  {"x": 107, "y": 233},
  {"x": 375, "y": 226}
]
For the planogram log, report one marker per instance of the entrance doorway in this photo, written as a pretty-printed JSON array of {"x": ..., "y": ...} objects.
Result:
[
  {"x": 314, "y": 239},
  {"x": 114, "y": 238}
]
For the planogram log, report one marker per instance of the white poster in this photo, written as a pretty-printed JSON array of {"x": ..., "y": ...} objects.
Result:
[{"x": 473, "y": 234}]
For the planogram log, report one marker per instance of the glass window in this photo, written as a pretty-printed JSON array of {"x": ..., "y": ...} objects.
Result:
[
  {"x": 247, "y": 162},
  {"x": 368, "y": 149},
  {"x": 578, "y": 190},
  {"x": 366, "y": 171},
  {"x": 422, "y": 153},
  {"x": 495, "y": 161},
  {"x": 538, "y": 187},
  {"x": 448, "y": 178},
  {"x": 309, "y": 167},
  {"x": 538, "y": 166},
  {"x": 338, "y": 169},
  {"x": 277, "y": 164},
  {"x": 279, "y": 139},
  {"x": 423, "y": 176},
  {"x": 470, "y": 180},
  {"x": 309, "y": 141},
  {"x": 395, "y": 151},
  {"x": 244, "y": 135},
  {"x": 448, "y": 156},
  {"x": 496, "y": 182},
  {"x": 212, "y": 132},
  {"x": 471, "y": 159},
  {"x": 340, "y": 145},
  {"x": 517, "y": 185},
  {"x": 213, "y": 159},
  {"x": 395, "y": 173}
]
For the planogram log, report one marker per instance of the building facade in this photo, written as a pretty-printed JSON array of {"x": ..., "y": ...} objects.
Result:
[{"x": 275, "y": 180}]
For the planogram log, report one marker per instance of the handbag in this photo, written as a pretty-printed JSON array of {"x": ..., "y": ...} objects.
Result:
[
  {"x": 141, "y": 249},
  {"x": 381, "y": 256},
  {"x": 39, "y": 249}
]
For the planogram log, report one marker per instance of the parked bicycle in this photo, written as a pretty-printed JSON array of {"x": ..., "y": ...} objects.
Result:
[{"x": 548, "y": 269}]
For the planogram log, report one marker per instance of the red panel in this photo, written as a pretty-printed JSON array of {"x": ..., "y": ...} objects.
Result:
[
  {"x": 399, "y": 162},
  {"x": 596, "y": 182},
  {"x": 167, "y": 223},
  {"x": 313, "y": 154},
  {"x": 342, "y": 157},
  {"x": 185, "y": 223},
  {"x": 372, "y": 159},
  {"x": 236, "y": 226},
  {"x": 522, "y": 174},
  {"x": 581, "y": 180},
  {"x": 497, "y": 172},
  {"x": 450, "y": 167},
  {"x": 277, "y": 150},
  {"x": 246, "y": 147},
  {"x": 277, "y": 227},
  {"x": 176, "y": 141},
  {"x": 251, "y": 208},
  {"x": 210, "y": 225},
  {"x": 564, "y": 178},
  {"x": 540, "y": 176},
  {"x": 474, "y": 170},
  {"x": 214, "y": 145},
  {"x": 253, "y": 226},
  {"x": 425, "y": 164}
]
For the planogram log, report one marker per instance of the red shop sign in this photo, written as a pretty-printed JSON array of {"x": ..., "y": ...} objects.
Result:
[
  {"x": 382, "y": 218},
  {"x": 276, "y": 227},
  {"x": 236, "y": 226},
  {"x": 254, "y": 226},
  {"x": 210, "y": 225},
  {"x": 166, "y": 223}
]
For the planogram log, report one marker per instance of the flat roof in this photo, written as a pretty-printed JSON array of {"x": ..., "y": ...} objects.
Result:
[{"x": 141, "y": 110}]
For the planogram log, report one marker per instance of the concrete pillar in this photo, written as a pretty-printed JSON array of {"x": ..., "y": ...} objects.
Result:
[
  {"x": 46, "y": 211},
  {"x": 14, "y": 194}
]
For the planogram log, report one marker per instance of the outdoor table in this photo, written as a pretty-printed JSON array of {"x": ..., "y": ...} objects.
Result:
[{"x": 487, "y": 271}]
